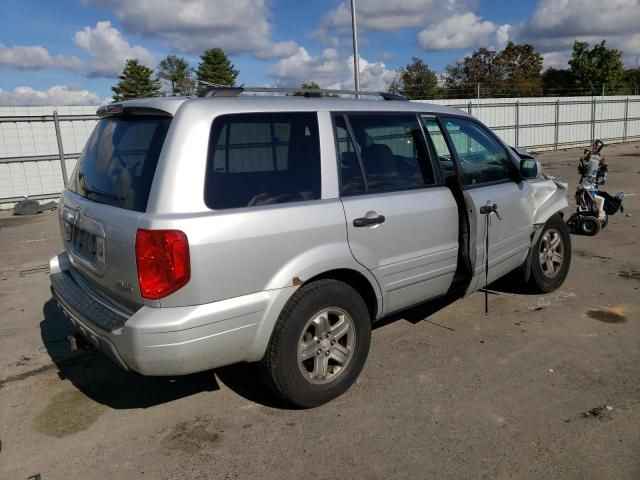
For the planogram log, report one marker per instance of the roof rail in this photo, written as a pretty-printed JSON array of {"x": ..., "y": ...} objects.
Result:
[
  {"x": 221, "y": 92},
  {"x": 224, "y": 91}
]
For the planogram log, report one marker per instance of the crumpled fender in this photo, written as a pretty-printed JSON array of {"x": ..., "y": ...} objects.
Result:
[{"x": 549, "y": 197}]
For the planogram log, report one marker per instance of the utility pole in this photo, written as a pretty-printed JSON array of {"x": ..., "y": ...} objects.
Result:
[{"x": 356, "y": 56}]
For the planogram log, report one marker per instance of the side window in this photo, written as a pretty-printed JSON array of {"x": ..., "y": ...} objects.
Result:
[
  {"x": 392, "y": 151},
  {"x": 440, "y": 146},
  {"x": 262, "y": 159},
  {"x": 482, "y": 158},
  {"x": 350, "y": 172}
]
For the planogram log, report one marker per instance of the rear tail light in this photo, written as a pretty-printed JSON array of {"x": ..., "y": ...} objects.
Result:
[{"x": 162, "y": 258}]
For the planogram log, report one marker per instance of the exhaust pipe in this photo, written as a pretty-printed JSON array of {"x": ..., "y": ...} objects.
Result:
[{"x": 77, "y": 341}]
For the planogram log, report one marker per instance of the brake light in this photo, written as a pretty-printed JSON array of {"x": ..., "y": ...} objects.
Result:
[{"x": 162, "y": 258}]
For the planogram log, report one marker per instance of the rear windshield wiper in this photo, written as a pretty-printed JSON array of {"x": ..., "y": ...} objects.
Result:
[{"x": 97, "y": 191}]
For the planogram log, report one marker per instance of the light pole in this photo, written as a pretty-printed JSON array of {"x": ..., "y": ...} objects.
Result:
[{"x": 356, "y": 62}]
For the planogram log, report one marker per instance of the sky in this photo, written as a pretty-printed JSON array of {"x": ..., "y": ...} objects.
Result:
[{"x": 70, "y": 52}]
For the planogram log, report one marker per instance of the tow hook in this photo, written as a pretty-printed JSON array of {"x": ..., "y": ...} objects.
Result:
[{"x": 77, "y": 341}]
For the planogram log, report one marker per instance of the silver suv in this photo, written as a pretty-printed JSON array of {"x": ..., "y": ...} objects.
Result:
[{"x": 201, "y": 232}]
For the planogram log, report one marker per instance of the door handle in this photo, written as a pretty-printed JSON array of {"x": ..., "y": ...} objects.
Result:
[{"x": 367, "y": 222}]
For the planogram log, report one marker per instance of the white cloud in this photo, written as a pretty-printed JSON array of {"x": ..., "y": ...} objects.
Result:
[
  {"x": 302, "y": 67},
  {"x": 374, "y": 76},
  {"x": 555, "y": 59},
  {"x": 390, "y": 15},
  {"x": 445, "y": 24},
  {"x": 277, "y": 50},
  {"x": 56, "y": 95},
  {"x": 457, "y": 31},
  {"x": 503, "y": 34},
  {"x": 35, "y": 57},
  {"x": 570, "y": 18},
  {"x": 109, "y": 50},
  {"x": 330, "y": 70},
  {"x": 192, "y": 26},
  {"x": 556, "y": 24}
]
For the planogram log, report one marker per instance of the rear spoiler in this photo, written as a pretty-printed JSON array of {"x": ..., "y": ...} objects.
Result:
[{"x": 117, "y": 109}]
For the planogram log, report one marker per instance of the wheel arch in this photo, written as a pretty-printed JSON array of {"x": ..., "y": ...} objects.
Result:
[
  {"x": 360, "y": 283},
  {"x": 363, "y": 282},
  {"x": 539, "y": 227}
]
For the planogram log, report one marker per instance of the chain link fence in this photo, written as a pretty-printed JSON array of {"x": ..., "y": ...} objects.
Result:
[{"x": 39, "y": 146}]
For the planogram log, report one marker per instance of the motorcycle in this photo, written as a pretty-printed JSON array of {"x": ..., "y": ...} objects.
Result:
[{"x": 594, "y": 206}]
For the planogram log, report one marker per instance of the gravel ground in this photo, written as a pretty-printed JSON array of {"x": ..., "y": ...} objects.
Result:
[{"x": 446, "y": 392}]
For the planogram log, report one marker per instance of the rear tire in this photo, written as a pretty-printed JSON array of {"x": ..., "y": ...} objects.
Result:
[
  {"x": 319, "y": 344},
  {"x": 551, "y": 256}
]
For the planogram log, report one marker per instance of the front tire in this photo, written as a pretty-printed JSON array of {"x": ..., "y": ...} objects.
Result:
[
  {"x": 319, "y": 344},
  {"x": 551, "y": 256}
]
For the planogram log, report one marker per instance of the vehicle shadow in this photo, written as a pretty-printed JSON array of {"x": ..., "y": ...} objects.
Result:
[
  {"x": 511, "y": 283},
  {"x": 95, "y": 375},
  {"x": 100, "y": 379},
  {"x": 418, "y": 313},
  {"x": 244, "y": 379}
]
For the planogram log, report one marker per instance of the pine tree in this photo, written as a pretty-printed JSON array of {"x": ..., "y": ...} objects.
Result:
[
  {"x": 136, "y": 82},
  {"x": 215, "y": 67},
  {"x": 176, "y": 72}
]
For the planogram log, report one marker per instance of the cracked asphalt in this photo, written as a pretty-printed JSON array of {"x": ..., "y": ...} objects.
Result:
[{"x": 446, "y": 392}]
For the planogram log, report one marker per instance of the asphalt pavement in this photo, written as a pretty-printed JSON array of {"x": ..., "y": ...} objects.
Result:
[{"x": 545, "y": 386}]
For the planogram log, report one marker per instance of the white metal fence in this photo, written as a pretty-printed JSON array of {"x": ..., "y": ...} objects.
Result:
[{"x": 34, "y": 140}]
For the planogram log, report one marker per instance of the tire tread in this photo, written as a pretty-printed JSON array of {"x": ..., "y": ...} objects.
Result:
[{"x": 270, "y": 366}]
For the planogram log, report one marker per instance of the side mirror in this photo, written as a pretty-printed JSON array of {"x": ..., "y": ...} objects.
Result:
[{"x": 529, "y": 168}]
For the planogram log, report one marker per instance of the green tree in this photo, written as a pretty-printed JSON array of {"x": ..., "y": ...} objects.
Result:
[
  {"x": 215, "y": 67},
  {"x": 307, "y": 86},
  {"x": 594, "y": 68},
  {"x": 415, "y": 80},
  {"x": 136, "y": 82},
  {"x": 480, "y": 67},
  {"x": 632, "y": 81},
  {"x": 520, "y": 68},
  {"x": 176, "y": 72},
  {"x": 557, "y": 82},
  {"x": 513, "y": 71}
]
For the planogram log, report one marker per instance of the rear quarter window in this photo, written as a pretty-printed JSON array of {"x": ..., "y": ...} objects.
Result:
[{"x": 263, "y": 159}]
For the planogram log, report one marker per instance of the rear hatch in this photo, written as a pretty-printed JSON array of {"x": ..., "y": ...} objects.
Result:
[{"x": 106, "y": 197}]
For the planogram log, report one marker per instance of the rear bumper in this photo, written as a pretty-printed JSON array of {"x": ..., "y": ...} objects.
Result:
[{"x": 169, "y": 341}]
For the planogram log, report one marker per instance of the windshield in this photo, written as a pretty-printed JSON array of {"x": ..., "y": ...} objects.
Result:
[{"x": 119, "y": 161}]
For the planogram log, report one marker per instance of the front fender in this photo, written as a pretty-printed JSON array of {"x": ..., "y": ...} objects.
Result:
[{"x": 549, "y": 198}]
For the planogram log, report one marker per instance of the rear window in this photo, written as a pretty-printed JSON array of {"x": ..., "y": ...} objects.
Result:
[
  {"x": 119, "y": 161},
  {"x": 263, "y": 159}
]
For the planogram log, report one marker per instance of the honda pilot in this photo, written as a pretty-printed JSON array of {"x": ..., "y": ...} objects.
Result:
[{"x": 202, "y": 232}]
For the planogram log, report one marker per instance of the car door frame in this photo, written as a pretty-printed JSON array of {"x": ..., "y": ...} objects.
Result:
[
  {"x": 435, "y": 167},
  {"x": 470, "y": 211}
]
